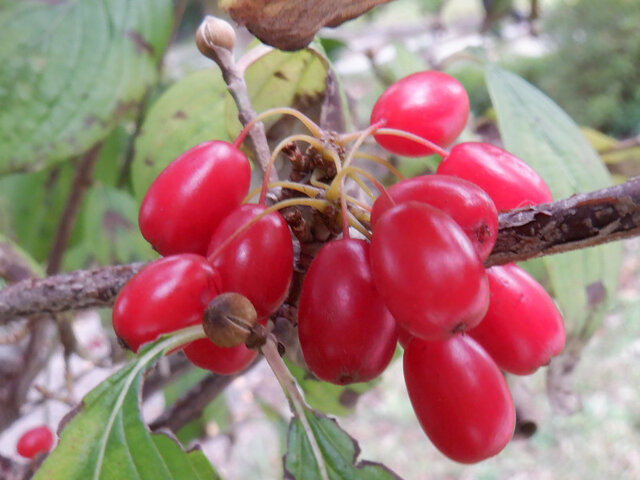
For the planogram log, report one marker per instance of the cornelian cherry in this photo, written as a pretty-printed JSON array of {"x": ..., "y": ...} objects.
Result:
[
  {"x": 431, "y": 104},
  {"x": 509, "y": 181},
  {"x": 469, "y": 205},
  {"x": 460, "y": 397},
  {"x": 35, "y": 441},
  {"x": 168, "y": 294},
  {"x": 346, "y": 333},
  {"x": 222, "y": 360},
  {"x": 522, "y": 329},
  {"x": 427, "y": 271},
  {"x": 258, "y": 263},
  {"x": 192, "y": 195}
]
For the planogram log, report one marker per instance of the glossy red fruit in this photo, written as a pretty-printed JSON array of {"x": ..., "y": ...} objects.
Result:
[
  {"x": 192, "y": 195},
  {"x": 35, "y": 441},
  {"x": 432, "y": 105},
  {"x": 427, "y": 271},
  {"x": 346, "y": 333},
  {"x": 224, "y": 361},
  {"x": 509, "y": 181},
  {"x": 258, "y": 263},
  {"x": 522, "y": 329},
  {"x": 460, "y": 397},
  {"x": 469, "y": 205},
  {"x": 168, "y": 294},
  {"x": 404, "y": 337}
]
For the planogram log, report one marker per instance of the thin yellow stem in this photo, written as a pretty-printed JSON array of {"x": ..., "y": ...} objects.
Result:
[
  {"x": 293, "y": 138},
  {"x": 299, "y": 187},
  {"x": 381, "y": 161},
  {"x": 357, "y": 202},
  {"x": 313, "y": 128},
  {"x": 359, "y": 141},
  {"x": 355, "y": 223},
  {"x": 410, "y": 136},
  {"x": 362, "y": 185}
]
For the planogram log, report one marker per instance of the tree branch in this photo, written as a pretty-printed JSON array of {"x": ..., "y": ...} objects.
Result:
[
  {"x": 70, "y": 291},
  {"x": 580, "y": 221},
  {"x": 213, "y": 42}
]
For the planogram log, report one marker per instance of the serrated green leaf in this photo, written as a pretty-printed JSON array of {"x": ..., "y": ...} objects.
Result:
[
  {"x": 106, "y": 439},
  {"x": 281, "y": 79},
  {"x": 339, "y": 451},
  {"x": 188, "y": 113},
  {"x": 70, "y": 70},
  {"x": 535, "y": 129}
]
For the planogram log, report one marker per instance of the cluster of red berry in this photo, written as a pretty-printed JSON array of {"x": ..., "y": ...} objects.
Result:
[
  {"x": 212, "y": 244},
  {"x": 421, "y": 278}
]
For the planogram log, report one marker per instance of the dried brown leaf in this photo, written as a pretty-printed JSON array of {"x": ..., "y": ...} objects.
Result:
[{"x": 291, "y": 24}]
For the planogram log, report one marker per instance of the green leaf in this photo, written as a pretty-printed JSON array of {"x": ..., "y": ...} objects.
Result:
[
  {"x": 339, "y": 450},
  {"x": 281, "y": 79},
  {"x": 110, "y": 233},
  {"x": 190, "y": 112},
  {"x": 106, "y": 439},
  {"x": 70, "y": 70},
  {"x": 112, "y": 155},
  {"x": 35, "y": 202},
  {"x": 535, "y": 129}
]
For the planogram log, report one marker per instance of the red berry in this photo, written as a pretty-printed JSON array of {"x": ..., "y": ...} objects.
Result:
[
  {"x": 523, "y": 328},
  {"x": 168, "y": 294},
  {"x": 258, "y": 263},
  {"x": 224, "y": 361},
  {"x": 432, "y": 105},
  {"x": 404, "y": 337},
  {"x": 460, "y": 397},
  {"x": 427, "y": 271},
  {"x": 509, "y": 181},
  {"x": 192, "y": 195},
  {"x": 346, "y": 333},
  {"x": 466, "y": 203},
  {"x": 35, "y": 441}
]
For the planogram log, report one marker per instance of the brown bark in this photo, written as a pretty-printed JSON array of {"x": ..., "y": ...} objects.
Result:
[{"x": 580, "y": 221}]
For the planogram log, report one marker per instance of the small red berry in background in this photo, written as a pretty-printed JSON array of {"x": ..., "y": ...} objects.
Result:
[
  {"x": 258, "y": 263},
  {"x": 346, "y": 333},
  {"x": 509, "y": 181},
  {"x": 431, "y": 105},
  {"x": 523, "y": 328},
  {"x": 460, "y": 397},
  {"x": 428, "y": 272},
  {"x": 168, "y": 294},
  {"x": 192, "y": 195},
  {"x": 469, "y": 205},
  {"x": 35, "y": 441}
]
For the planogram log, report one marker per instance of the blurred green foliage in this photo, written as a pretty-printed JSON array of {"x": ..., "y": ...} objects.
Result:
[{"x": 594, "y": 66}]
